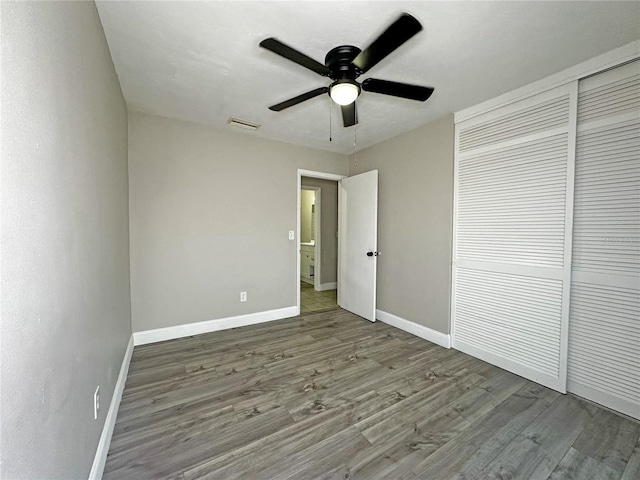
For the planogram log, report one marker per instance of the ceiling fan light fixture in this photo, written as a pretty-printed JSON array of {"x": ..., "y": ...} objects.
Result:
[
  {"x": 345, "y": 63},
  {"x": 345, "y": 92}
]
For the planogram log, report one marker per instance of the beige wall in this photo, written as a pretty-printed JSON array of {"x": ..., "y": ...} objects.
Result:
[
  {"x": 414, "y": 221},
  {"x": 328, "y": 227},
  {"x": 210, "y": 213},
  {"x": 307, "y": 199},
  {"x": 64, "y": 244}
]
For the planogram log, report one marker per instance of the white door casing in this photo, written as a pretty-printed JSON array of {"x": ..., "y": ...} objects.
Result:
[
  {"x": 358, "y": 243},
  {"x": 311, "y": 174}
]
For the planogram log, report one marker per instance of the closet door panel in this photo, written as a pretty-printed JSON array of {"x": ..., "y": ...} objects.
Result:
[
  {"x": 511, "y": 204},
  {"x": 604, "y": 327},
  {"x": 514, "y": 179},
  {"x": 490, "y": 309}
]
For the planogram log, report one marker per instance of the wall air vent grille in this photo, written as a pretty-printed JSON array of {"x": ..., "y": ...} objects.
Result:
[{"x": 236, "y": 122}]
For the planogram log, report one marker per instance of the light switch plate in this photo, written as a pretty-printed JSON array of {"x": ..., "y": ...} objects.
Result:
[{"x": 292, "y": 235}]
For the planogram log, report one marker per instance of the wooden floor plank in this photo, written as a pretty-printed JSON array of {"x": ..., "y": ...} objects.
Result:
[
  {"x": 577, "y": 465},
  {"x": 632, "y": 470},
  {"x": 536, "y": 452},
  {"x": 255, "y": 459},
  {"x": 193, "y": 446},
  {"x": 330, "y": 395},
  {"x": 467, "y": 454},
  {"x": 141, "y": 445},
  {"x": 405, "y": 414},
  {"x": 328, "y": 454},
  {"x": 609, "y": 439}
]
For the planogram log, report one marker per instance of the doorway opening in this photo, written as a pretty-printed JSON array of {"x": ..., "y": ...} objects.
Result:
[{"x": 317, "y": 266}]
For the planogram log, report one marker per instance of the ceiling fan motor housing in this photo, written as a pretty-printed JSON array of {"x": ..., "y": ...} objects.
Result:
[{"x": 339, "y": 62}]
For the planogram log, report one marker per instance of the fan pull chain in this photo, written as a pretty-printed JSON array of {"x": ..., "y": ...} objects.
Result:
[
  {"x": 355, "y": 145},
  {"x": 355, "y": 139},
  {"x": 330, "y": 135}
]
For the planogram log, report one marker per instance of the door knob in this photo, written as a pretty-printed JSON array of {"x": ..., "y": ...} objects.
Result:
[{"x": 373, "y": 254}]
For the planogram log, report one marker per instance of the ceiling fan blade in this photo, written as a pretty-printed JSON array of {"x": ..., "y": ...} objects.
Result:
[
  {"x": 398, "y": 32},
  {"x": 299, "y": 99},
  {"x": 404, "y": 90},
  {"x": 349, "y": 114},
  {"x": 289, "y": 53}
]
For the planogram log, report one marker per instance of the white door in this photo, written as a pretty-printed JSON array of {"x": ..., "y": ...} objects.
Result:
[{"x": 357, "y": 255}]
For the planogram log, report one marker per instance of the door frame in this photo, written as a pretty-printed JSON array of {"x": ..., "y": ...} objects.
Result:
[{"x": 323, "y": 176}]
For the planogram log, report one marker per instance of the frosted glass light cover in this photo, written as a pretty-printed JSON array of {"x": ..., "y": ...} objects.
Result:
[{"x": 344, "y": 93}]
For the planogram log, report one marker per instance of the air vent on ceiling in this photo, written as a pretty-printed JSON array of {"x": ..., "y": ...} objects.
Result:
[{"x": 236, "y": 122}]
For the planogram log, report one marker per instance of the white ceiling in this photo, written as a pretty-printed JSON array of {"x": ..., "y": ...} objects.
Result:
[{"x": 200, "y": 61}]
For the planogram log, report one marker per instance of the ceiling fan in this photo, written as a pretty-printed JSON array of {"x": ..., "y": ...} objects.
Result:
[{"x": 345, "y": 63}]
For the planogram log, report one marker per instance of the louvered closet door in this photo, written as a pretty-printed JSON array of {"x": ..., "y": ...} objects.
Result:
[
  {"x": 604, "y": 326},
  {"x": 514, "y": 195}
]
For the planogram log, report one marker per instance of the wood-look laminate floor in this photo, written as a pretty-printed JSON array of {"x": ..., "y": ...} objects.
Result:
[{"x": 330, "y": 395}]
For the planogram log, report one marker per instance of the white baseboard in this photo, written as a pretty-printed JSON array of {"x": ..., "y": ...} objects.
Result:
[
  {"x": 179, "y": 331},
  {"x": 328, "y": 286},
  {"x": 105, "y": 438},
  {"x": 439, "y": 338},
  {"x": 605, "y": 398},
  {"x": 526, "y": 371}
]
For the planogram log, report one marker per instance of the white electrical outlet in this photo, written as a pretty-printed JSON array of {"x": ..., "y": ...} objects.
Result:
[
  {"x": 243, "y": 296},
  {"x": 292, "y": 235},
  {"x": 96, "y": 403}
]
